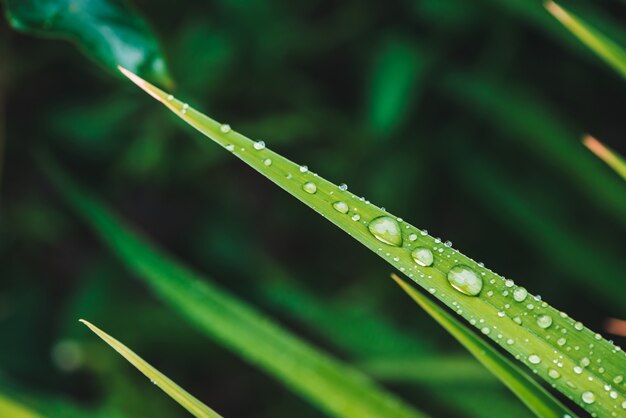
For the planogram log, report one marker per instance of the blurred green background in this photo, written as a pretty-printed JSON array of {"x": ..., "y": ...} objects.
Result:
[{"x": 463, "y": 117}]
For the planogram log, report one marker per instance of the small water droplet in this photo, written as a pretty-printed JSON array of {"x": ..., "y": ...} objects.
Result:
[
  {"x": 534, "y": 359},
  {"x": 588, "y": 397},
  {"x": 184, "y": 109},
  {"x": 520, "y": 294},
  {"x": 448, "y": 244},
  {"x": 424, "y": 232},
  {"x": 341, "y": 207},
  {"x": 510, "y": 341},
  {"x": 578, "y": 326},
  {"x": 544, "y": 321},
  {"x": 554, "y": 374},
  {"x": 561, "y": 341},
  {"x": 386, "y": 230},
  {"x": 309, "y": 187},
  {"x": 412, "y": 237},
  {"x": 356, "y": 217},
  {"x": 225, "y": 128},
  {"x": 267, "y": 162},
  {"x": 485, "y": 330},
  {"x": 618, "y": 379},
  {"x": 465, "y": 280},
  {"x": 422, "y": 256},
  {"x": 170, "y": 97},
  {"x": 578, "y": 369},
  {"x": 259, "y": 145},
  {"x": 304, "y": 168},
  {"x": 585, "y": 361},
  {"x": 230, "y": 147},
  {"x": 343, "y": 186},
  {"x": 509, "y": 283}
]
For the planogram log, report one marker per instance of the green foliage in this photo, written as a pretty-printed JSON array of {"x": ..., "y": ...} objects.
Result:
[
  {"x": 10, "y": 408},
  {"x": 333, "y": 386},
  {"x": 530, "y": 392},
  {"x": 530, "y": 329},
  {"x": 186, "y": 400},
  {"x": 606, "y": 154},
  {"x": 108, "y": 31}
]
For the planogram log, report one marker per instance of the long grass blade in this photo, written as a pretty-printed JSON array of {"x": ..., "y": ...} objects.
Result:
[
  {"x": 603, "y": 46},
  {"x": 530, "y": 392},
  {"x": 10, "y": 408},
  {"x": 186, "y": 400},
  {"x": 333, "y": 386},
  {"x": 540, "y": 334},
  {"x": 606, "y": 154}
]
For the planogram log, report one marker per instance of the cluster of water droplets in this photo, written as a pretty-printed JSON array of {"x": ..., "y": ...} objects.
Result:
[{"x": 468, "y": 278}]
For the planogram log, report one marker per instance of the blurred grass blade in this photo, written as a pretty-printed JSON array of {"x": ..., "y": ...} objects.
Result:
[
  {"x": 335, "y": 387},
  {"x": 482, "y": 297},
  {"x": 606, "y": 154},
  {"x": 186, "y": 400},
  {"x": 108, "y": 31},
  {"x": 12, "y": 409},
  {"x": 538, "y": 400},
  {"x": 608, "y": 50}
]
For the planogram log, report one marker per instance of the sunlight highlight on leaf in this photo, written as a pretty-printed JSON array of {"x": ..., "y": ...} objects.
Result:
[{"x": 606, "y": 154}]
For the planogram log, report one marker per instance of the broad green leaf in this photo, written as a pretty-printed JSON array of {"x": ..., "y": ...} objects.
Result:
[
  {"x": 606, "y": 154},
  {"x": 10, "y": 408},
  {"x": 334, "y": 387},
  {"x": 530, "y": 392},
  {"x": 604, "y": 47},
  {"x": 186, "y": 400},
  {"x": 108, "y": 31},
  {"x": 530, "y": 329}
]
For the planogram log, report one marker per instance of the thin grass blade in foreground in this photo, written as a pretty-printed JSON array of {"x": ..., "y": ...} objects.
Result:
[
  {"x": 606, "y": 154},
  {"x": 186, "y": 400},
  {"x": 10, "y": 408},
  {"x": 334, "y": 387},
  {"x": 530, "y": 392},
  {"x": 530, "y": 329},
  {"x": 608, "y": 50}
]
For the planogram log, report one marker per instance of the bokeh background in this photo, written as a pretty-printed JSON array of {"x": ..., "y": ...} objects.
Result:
[{"x": 463, "y": 117}]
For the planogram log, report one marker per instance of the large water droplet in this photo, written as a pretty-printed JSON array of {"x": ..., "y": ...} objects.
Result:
[
  {"x": 544, "y": 321},
  {"x": 520, "y": 294},
  {"x": 588, "y": 397},
  {"x": 465, "y": 280},
  {"x": 422, "y": 256},
  {"x": 309, "y": 187},
  {"x": 341, "y": 207},
  {"x": 387, "y": 230}
]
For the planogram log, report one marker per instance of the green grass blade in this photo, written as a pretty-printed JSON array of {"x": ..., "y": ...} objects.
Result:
[
  {"x": 334, "y": 387},
  {"x": 530, "y": 392},
  {"x": 608, "y": 50},
  {"x": 10, "y": 408},
  {"x": 606, "y": 154},
  {"x": 587, "y": 362},
  {"x": 186, "y": 400}
]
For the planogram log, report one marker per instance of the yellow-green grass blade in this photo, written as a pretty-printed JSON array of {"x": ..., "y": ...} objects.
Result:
[
  {"x": 13, "y": 409},
  {"x": 587, "y": 362},
  {"x": 331, "y": 385},
  {"x": 180, "y": 395},
  {"x": 608, "y": 50},
  {"x": 538, "y": 400},
  {"x": 606, "y": 154}
]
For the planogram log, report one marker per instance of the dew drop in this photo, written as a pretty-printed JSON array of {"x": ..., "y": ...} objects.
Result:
[
  {"x": 259, "y": 145},
  {"x": 412, "y": 237},
  {"x": 230, "y": 147},
  {"x": 448, "y": 244},
  {"x": 304, "y": 168},
  {"x": 422, "y": 256},
  {"x": 184, "y": 109},
  {"x": 578, "y": 370},
  {"x": 578, "y": 326},
  {"x": 588, "y": 397},
  {"x": 520, "y": 294},
  {"x": 387, "y": 230},
  {"x": 585, "y": 362},
  {"x": 561, "y": 341},
  {"x": 554, "y": 374},
  {"x": 170, "y": 97},
  {"x": 356, "y": 217},
  {"x": 341, "y": 207},
  {"x": 465, "y": 280},
  {"x": 309, "y": 187},
  {"x": 534, "y": 359},
  {"x": 225, "y": 128},
  {"x": 485, "y": 330},
  {"x": 343, "y": 186},
  {"x": 267, "y": 162},
  {"x": 510, "y": 341},
  {"x": 544, "y": 321},
  {"x": 618, "y": 379}
]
